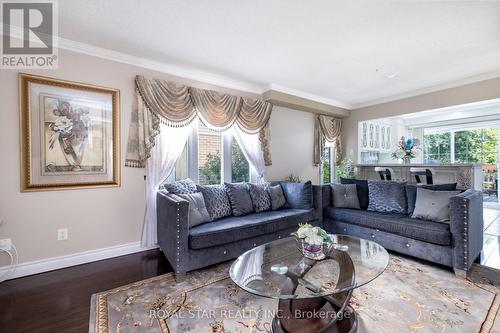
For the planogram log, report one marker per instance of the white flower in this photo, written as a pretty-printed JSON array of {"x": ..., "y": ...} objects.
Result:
[
  {"x": 315, "y": 240},
  {"x": 303, "y": 232}
]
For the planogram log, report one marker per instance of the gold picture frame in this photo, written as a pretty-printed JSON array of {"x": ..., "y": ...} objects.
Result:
[{"x": 70, "y": 134}]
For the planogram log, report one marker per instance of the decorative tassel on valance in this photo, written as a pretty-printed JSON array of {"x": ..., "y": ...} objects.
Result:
[
  {"x": 177, "y": 105},
  {"x": 327, "y": 129}
]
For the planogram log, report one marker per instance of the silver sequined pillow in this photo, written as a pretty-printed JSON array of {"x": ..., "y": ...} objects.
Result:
[
  {"x": 387, "y": 196},
  {"x": 216, "y": 200},
  {"x": 185, "y": 186},
  {"x": 261, "y": 199}
]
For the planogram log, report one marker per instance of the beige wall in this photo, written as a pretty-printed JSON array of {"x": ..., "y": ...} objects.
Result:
[
  {"x": 475, "y": 92},
  {"x": 292, "y": 145},
  {"x": 98, "y": 218}
]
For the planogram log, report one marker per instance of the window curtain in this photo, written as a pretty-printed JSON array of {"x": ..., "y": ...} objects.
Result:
[
  {"x": 327, "y": 129},
  {"x": 252, "y": 149},
  {"x": 177, "y": 105},
  {"x": 166, "y": 150}
]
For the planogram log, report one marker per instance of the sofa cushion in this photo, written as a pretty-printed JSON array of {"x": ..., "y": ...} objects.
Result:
[
  {"x": 277, "y": 197},
  {"x": 198, "y": 213},
  {"x": 185, "y": 186},
  {"x": 411, "y": 192},
  {"x": 361, "y": 188},
  {"x": 235, "y": 228},
  {"x": 239, "y": 197},
  {"x": 387, "y": 196},
  {"x": 345, "y": 196},
  {"x": 298, "y": 195},
  {"x": 433, "y": 205},
  {"x": 261, "y": 199},
  {"x": 399, "y": 224},
  {"x": 216, "y": 200}
]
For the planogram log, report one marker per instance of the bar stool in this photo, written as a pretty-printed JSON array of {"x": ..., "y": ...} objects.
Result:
[
  {"x": 427, "y": 172},
  {"x": 385, "y": 173}
]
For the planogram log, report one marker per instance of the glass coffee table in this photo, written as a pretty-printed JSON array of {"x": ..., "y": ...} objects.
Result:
[{"x": 313, "y": 294}]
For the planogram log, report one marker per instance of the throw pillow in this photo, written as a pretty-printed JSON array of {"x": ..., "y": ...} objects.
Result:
[
  {"x": 387, "y": 196},
  {"x": 240, "y": 200},
  {"x": 361, "y": 188},
  {"x": 216, "y": 200},
  {"x": 433, "y": 205},
  {"x": 345, "y": 196},
  {"x": 198, "y": 212},
  {"x": 184, "y": 186},
  {"x": 261, "y": 199},
  {"x": 298, "y": 195},
  {"x": 277, "y": 197},
  {"x": 411, "y": 192}
]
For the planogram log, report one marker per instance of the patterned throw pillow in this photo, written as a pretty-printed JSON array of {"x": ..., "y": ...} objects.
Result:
[
  {"x": 345, "y": 196},
  {"x": 185, "y": 186},
  {"x": 387, "y": 196},
  {"x": 216, "y": 200},
  {"x": 240, "y": 200},
  {"x": 261, "y": 199},
  {"x": 277, "y": 197},
  {"x": 361, "y": 188}
]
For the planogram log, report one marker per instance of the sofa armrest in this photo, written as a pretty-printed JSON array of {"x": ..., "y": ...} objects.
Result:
[
  {"x": 466, "y": 225},
  {"x": 173, "y": 229}
]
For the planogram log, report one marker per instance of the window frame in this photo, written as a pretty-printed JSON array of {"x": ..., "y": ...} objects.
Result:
[
  {"x": 333, "y": 166},
  {"x": 226, "y": 158}
]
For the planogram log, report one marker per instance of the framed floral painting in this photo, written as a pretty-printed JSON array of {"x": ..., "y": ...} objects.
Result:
[{"x": 70, "y": 134}]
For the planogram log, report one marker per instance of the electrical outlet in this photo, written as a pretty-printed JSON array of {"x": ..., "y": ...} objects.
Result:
[
  {"x": 6, "y": 244},
  {"x": 62, "y": 234}
]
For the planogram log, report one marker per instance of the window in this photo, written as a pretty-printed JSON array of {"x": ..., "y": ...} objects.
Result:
[
  {"x": 329, "y": 168},
  {"x": 461, "y": 146},
  {"x": 476, "y": 146},
  {"x": 240, "y": 169},
  {"x": 211, "y": 157},
  {"x": 437, "y": 147}
]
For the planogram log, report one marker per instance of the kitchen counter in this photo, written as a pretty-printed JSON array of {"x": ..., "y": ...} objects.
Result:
[{"x": 469, "y": 175}]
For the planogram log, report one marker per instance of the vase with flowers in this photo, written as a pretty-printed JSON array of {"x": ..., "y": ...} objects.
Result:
[
  {"x": 407, "y": 149},
  {"x": 312, "y": 240}
]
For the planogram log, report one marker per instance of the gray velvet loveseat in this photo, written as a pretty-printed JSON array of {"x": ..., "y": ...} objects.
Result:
[
  {"x": 213, "y": 242},
  {"x": 455, "y": 243}
]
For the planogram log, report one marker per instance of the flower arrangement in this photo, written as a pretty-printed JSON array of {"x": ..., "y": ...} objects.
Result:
[
  {"x": 407, "y": 149},
  {"x": 312, "y": 239}
]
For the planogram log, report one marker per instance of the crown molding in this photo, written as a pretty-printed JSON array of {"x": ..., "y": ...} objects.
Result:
[
  {"x": 306, "y": 95},
  {"x": 428, "y": 90}
]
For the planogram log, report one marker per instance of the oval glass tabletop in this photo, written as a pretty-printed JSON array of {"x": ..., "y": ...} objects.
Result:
[{"x": 279, "y": 269}]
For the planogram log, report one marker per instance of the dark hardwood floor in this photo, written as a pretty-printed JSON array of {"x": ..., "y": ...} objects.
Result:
[{"x": 59, "y": 301}]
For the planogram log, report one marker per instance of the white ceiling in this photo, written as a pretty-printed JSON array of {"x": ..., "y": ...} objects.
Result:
[{"x": 340, "y": 52}]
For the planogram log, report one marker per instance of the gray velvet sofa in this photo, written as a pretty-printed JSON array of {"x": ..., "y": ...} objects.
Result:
[
  {"x": 455, "y": 244},
  {"x": 213, "y": 242}
]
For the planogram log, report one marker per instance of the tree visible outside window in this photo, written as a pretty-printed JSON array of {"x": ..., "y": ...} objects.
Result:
[
  {"x": 211, "y": 159},
  {"x": 240, "y": 169},
  {"x": 327, "y": 174},
  {"x": 476, "y": 146},
  {"x": 437, "y": 147}
]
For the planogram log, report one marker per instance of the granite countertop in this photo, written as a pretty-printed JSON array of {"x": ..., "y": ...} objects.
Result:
[{"x": 419, "y": 165}]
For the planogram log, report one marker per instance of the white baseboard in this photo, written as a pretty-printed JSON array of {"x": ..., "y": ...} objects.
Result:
[{"x": 50, "y": 264}]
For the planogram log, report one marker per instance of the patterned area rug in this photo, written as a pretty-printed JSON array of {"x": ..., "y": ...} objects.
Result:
[{"x": 410, "y": 296}]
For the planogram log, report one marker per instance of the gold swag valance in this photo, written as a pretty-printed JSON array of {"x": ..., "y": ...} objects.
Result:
[
  {"x": 177, "y": 105},
  {"x": 327, "y": 129}
]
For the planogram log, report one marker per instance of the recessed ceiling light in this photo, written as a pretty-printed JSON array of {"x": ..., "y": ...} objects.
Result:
[{"x": 392, "y": 76}]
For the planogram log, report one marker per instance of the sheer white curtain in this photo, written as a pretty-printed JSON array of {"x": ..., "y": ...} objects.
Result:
[
  {"x": 252, "y": 149},
  {"x": 168, "y": 147}
]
